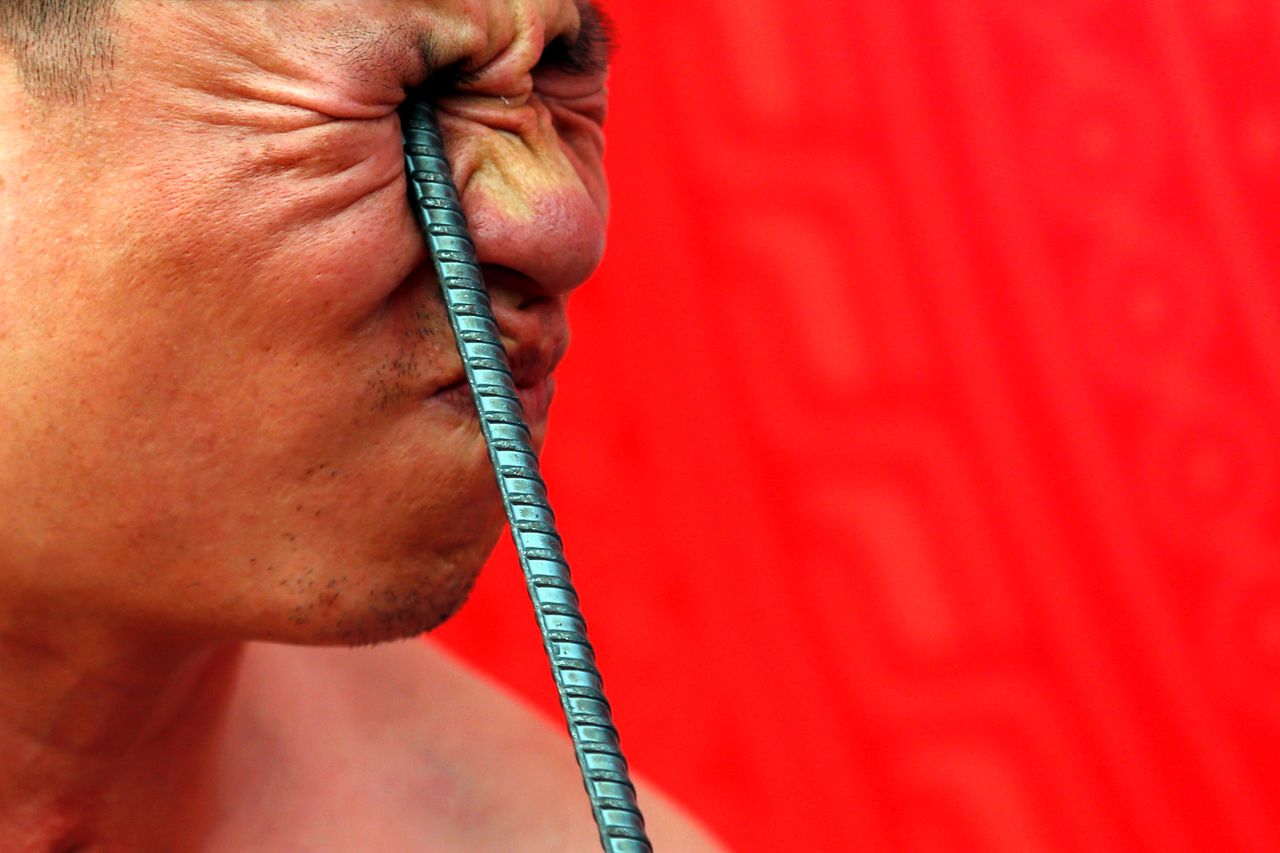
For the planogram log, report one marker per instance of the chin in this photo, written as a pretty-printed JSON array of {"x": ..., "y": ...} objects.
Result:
[
  {"x": 394, "y": 563},
  {"x": 395, "y": 602}
]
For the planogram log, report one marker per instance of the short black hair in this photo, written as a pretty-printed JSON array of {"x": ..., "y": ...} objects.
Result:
[{"x": 57, "y": 44}]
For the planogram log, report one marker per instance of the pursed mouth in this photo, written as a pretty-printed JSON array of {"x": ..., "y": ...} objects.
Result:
[{"x": 535, "y": 396}]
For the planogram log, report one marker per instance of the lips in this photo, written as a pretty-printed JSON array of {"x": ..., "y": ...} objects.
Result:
[
  {"x": 532, "y": 323},
  {"x": 535, "y": 341},
  {"x": 535, "y": 396}
]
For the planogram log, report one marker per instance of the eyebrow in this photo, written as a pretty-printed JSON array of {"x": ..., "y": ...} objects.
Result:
[{"x": 367, "y": 52}]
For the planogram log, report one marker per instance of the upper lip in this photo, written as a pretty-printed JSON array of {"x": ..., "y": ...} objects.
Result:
[
  {"x": 534, "y": 340},
  {"x": 534, "y": 328},
  {"x": 531, "y": 363}
]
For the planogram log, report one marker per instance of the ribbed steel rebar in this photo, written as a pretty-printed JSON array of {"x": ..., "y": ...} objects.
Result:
[{"x": 555, "y": 603}]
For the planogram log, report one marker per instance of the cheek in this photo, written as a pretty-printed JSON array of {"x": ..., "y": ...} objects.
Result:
[
  {"x": 334, "y": 212},
  {"x": 274, "y": 237},
  {"x": 227, "y": 300}
]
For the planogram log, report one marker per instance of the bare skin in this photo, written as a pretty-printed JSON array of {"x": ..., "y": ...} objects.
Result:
[
  {"x": 229, "y": 414},
  {"x": 476, "y": 772}
]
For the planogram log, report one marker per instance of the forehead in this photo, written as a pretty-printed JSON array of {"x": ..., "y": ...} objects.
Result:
[{"x": 384, "y": 39}]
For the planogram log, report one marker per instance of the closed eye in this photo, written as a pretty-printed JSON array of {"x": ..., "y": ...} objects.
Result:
[
  {"x": 450, "y": 78},
  {"x": 586, "y": 54}
]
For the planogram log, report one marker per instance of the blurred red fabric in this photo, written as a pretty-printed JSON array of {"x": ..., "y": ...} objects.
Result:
[{"x": 917, "y": 453}]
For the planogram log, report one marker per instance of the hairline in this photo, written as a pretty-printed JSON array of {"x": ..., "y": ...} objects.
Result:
[{"x": 58, "y": 46}]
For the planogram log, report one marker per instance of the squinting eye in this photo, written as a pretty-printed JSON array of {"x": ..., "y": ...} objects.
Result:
[
  {"x": 587, "y": 54},
  {"x": 447, "y": 80},
  {"x": 578, "y": 58}
]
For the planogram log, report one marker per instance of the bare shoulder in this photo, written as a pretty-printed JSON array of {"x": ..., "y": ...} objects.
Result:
[{"x": 445, "y": 752}]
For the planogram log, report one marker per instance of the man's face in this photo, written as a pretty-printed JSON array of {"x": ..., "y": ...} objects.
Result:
[{"x": 230, "y": 401}]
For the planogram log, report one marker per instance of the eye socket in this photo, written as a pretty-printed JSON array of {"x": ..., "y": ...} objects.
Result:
[
  {"x": 587, "y": 54},
  {"x": 447, "y": 80},
  {"x": 568, "y": 57}
]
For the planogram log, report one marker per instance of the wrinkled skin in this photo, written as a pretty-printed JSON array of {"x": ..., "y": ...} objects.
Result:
[
  {"x": 221, "y": 331},
  {"x": 230, "y": 412}
]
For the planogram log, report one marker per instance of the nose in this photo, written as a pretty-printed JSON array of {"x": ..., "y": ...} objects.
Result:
[{"x": 531, "y": 206}]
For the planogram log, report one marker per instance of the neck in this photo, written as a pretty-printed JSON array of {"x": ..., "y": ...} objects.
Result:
[{"x": 99, "y": 727}]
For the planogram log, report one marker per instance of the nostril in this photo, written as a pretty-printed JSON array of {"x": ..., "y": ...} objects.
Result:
[
  {"x": 509, "y": 288},
  {"x": 534, "y": 303}
]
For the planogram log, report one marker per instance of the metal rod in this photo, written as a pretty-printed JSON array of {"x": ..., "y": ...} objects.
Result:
[{"x": 555, "y": 603}]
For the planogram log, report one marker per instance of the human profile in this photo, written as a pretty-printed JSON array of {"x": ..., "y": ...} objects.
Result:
[{"x": 237, "y": 454}]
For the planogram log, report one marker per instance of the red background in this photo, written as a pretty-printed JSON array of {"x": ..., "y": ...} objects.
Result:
[{"x": 917, "y": 451}]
